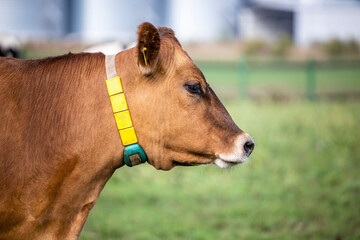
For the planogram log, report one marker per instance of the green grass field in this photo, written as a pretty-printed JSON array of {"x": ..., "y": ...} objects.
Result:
[{"x": 302, "y": 182}]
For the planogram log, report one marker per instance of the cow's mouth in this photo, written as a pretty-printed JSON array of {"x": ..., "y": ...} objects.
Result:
[{"x": 185, "y": 164}]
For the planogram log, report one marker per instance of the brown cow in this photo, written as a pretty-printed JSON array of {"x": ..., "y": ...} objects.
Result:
[{"x": 59, "y": 144}]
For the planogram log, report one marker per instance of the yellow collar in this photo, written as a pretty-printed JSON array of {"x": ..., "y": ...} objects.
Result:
[{"x": 133, "y": 153}]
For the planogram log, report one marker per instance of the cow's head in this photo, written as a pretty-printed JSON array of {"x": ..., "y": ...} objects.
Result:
[{"x": 177, "y": 116}]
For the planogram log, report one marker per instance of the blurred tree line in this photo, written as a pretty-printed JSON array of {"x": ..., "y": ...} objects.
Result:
[{"x": 283, "y": 46}]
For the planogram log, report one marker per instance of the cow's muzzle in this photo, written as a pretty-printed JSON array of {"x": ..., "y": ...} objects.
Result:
[{"x": 243, "y": 147}]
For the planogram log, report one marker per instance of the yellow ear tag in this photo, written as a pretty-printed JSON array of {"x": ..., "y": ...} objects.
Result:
[{"x": 144, "y": 49}]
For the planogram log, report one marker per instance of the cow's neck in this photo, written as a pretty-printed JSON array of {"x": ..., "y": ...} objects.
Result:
[
  {"x": 100, "y": 154},
  {"x": 97, "y": 164},
  {"x": 76, "y": 165}
]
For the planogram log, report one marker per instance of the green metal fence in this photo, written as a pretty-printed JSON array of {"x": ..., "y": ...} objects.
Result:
[{"x": 309, "y": 79}]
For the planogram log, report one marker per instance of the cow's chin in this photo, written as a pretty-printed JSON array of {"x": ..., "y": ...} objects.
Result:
[
  {"x": 229, "y": 161},
  {"x": 226, "y": 164},
  {"x": 170, "y": 164}
]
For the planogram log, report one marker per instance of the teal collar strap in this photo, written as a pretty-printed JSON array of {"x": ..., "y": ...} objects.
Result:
[{"x": 133, "y": 153}]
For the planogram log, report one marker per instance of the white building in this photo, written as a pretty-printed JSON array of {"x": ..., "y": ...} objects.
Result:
[
  {"x": 306, "y": 21},
  {"x": 204, "y": 20}
]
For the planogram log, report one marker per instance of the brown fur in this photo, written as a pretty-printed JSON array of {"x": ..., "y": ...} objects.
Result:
[{"x": 59, "y": 143}]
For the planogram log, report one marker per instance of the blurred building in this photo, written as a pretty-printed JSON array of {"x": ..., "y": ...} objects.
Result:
[
  {"x": 89, "y": 20},
  {"x": 94, "y": 21},
  {"x": 204, "y": 20},
  {"x": 33, "y": 19},
  {"x": 305, "y": 21}
]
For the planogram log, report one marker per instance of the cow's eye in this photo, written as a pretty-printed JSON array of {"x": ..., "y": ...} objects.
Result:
[{"x": 193, "y": 88}]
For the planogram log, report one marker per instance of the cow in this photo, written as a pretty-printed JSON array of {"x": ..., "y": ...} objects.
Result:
[{"x": 59, "y": 143}]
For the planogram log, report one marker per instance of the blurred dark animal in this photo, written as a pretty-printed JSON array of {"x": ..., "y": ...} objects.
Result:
[
  {"x": 9, "y": 46},
  {"x": 59, "y": 143}
]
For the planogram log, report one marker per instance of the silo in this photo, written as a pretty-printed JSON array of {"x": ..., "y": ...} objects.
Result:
[
  {"x": 204, "y": 20},
  {"x": 105, "y": 20}
]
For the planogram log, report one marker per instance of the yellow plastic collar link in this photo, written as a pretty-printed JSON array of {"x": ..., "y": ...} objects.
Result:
[{"x": 121, "y": 111}]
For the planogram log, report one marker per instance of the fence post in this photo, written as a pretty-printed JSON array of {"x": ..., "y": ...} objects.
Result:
[
  {"x": 310, "y": 80},
  {"x": 243, "y": 75}
]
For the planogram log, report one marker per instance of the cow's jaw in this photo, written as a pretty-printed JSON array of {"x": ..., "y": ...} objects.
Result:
[{"x": 236, "y": 156}]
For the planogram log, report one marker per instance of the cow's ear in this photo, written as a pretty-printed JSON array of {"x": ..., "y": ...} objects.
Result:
[{"x": 148, "y": 47}]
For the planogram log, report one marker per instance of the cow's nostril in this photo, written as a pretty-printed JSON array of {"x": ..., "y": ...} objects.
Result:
[{"x": 249, "y": 147}]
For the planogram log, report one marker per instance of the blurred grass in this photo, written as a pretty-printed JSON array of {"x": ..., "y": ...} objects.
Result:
[{"x": 302, "y": 182}]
